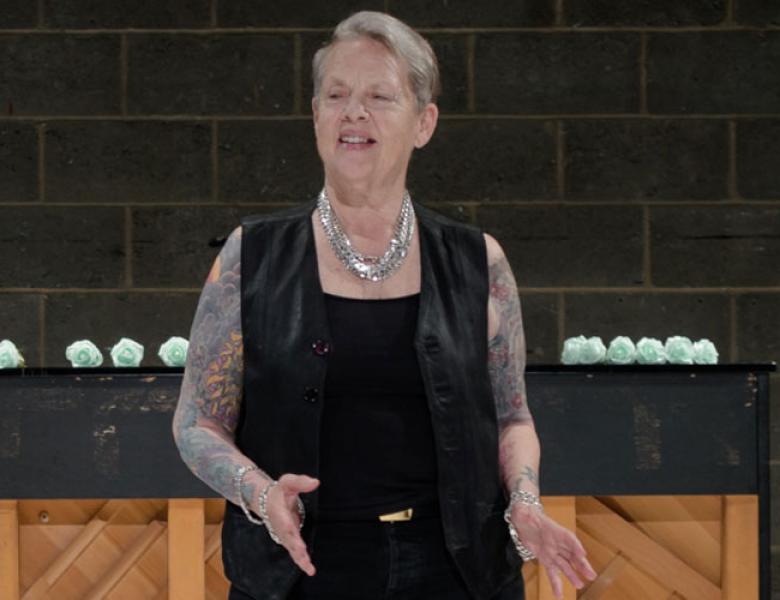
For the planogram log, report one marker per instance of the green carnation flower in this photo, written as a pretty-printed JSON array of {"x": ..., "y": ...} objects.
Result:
[
  {"x": 705, "y": 353},
  {"x": 572, "y": 350},
  {"x": 84, "y": 353},
  {"x": 650, "y": 351},
  {"x": 679, "y": 350},
  {"x": 174, "y": 351},
  {"x": 593, "y": 351},
  {"x": 10, "y": 357},
  {"x": 127, "y": 353},
  {"x": 621, "y": 351}
]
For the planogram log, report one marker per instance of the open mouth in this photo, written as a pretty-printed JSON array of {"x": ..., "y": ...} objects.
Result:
[{"x": 356, "y": 141}]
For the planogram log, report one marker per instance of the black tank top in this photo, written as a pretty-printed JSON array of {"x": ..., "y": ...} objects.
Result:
[{"x": 377, "y": 453}]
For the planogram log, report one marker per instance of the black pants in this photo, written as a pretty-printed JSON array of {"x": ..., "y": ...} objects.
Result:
[{"x": 383, "y": 561}]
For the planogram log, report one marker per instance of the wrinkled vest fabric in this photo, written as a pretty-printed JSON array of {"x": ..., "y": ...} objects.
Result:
[{"x": 284, "y": 326}]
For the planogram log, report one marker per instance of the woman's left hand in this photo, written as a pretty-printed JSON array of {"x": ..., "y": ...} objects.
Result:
[{"x": 556, "y": 548}]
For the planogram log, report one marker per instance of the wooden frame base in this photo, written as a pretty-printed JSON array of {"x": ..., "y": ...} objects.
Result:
[{"x": 643, "y": 547}]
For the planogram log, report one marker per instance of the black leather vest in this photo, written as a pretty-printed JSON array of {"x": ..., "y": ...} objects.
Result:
[{"x": 285, "y": 331}]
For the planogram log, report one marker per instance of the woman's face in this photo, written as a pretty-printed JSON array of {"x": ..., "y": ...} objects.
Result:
[{"x": 365, "y": 118}]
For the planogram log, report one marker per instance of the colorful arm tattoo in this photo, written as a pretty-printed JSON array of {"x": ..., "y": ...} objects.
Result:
[
  {"x": 506, "y": 349},
  {"x": 518, "y": 447},
  {"x": 207, "y": 412}
]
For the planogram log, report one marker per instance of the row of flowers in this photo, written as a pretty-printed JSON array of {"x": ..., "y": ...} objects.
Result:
[
  {"x": 677, "y": 349},
  {"x": 83, "y": 353},
  {"x": 576, "y": 351}
]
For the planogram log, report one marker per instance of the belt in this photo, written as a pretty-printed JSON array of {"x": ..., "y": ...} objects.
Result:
[
  {"x": 412, "y": 513},
  {"x": 407, "y": 514},
  {"x": 401, "y": 515}
]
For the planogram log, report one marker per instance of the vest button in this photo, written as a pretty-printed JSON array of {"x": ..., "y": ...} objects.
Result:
[
  {"x": 320, "y": 347},
  {"x": 431, "y": 344},
  {"x": 311, "y": 394}
]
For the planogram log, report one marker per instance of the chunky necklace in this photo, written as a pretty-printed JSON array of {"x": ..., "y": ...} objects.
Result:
[{"x": 373, "y": 268}]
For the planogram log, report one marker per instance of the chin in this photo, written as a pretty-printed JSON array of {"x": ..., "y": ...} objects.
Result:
[{"x": 353, "y": 172}]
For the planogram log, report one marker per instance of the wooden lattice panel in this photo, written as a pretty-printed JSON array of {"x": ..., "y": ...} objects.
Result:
[
  {"x": 115, "y": 549},
  {"x": 643, "y": 548}
]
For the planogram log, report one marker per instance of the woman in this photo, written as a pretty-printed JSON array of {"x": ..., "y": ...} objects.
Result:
[{"x": 355, "y": 385}]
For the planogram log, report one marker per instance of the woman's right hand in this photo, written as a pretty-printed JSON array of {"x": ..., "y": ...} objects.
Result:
[{"x": 282, "y": 510}]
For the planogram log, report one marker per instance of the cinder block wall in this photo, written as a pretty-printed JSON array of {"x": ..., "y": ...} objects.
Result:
[{"x": 626, "y": 154}]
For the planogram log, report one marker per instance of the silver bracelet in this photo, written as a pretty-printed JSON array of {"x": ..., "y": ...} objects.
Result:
[
  {"x": 263, "y": 520},
  {"x": 238, "y": 480},
  {"x": 529, "y": 499}
]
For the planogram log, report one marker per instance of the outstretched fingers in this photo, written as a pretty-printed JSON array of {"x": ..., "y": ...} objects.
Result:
[
  {"x": 296, "y": 547},
  {"x": 564, "y": 554},
  {"x": 555, "y": 581}
]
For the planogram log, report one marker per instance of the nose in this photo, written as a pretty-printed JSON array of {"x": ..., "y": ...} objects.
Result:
[{"x": 355, "y": 110}]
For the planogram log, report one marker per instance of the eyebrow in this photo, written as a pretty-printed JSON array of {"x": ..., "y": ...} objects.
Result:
[{"x": 336, "y": 81}]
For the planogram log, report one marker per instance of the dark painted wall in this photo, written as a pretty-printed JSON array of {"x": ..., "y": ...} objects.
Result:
[{"x": 626, "y": 154}]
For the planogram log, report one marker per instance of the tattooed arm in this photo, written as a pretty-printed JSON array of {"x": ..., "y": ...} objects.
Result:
[
  {"x": 518, "y": 443},
  {"x": 207, "y": 414},
  {"x": 205, "y": 420},
  {"x": 557, "y": 548}
]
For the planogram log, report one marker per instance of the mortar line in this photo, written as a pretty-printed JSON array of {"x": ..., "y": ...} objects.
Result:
[
  {"x": 41, "y": 131},
  {"x": 676, "y": 291},
  {"x": 729, "y": 20},
  {"x": 128, "y": 247},
  {"x": 733, "y": 347},
  {"x": 422, "y": 30},
  {"x": 531, "y": 203},
  {"x": 633, "y": 116},
  {"x": 123, "y": 68},
  {"x": 213, "y": 15},
  {"x": 733, "y": 189},
  {"x": 471, "y": 94},
  {"x": 560, "y": 159},
  {"x": 215, "y": 161},
  {"x": 297, "y": 74},
  {"x": 41, "y": 13},
  {"x": 561, "y": 321},
  {"x": 41, "y": 330},
  {"x": 559, "y": 16},
  {"x": 647, "y": 265},
  {"x": 643, "y": 73}
]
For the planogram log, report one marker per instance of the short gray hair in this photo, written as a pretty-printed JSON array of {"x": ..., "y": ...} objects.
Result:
[{"x": 400, "y": 39}]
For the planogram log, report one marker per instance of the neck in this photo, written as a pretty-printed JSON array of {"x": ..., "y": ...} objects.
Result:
[{"x": 366, "y": 212}]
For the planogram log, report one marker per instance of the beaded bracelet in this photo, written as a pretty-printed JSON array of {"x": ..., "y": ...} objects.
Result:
[{"x": 529, "y": 499}]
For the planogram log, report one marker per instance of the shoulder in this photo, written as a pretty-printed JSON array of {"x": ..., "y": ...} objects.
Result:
[{"x": 495, "y": 253}]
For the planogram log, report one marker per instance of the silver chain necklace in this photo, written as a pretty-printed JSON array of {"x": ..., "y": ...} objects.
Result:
[{"x": 372, "y": 268}]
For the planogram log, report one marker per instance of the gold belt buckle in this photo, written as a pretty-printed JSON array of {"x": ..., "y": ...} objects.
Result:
[{"x": 401, "y": 515}]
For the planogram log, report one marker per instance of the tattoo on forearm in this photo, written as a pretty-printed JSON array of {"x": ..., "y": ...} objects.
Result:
[
  {"x": 527, "y": 474},
  {"x": 207, "y": 412},
  {"x": 506, "y": 350},
  {"x": 531, "y": 475}
]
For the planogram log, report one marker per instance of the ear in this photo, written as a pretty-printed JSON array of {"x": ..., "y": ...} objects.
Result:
[{"x": 426, "y": 125}]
